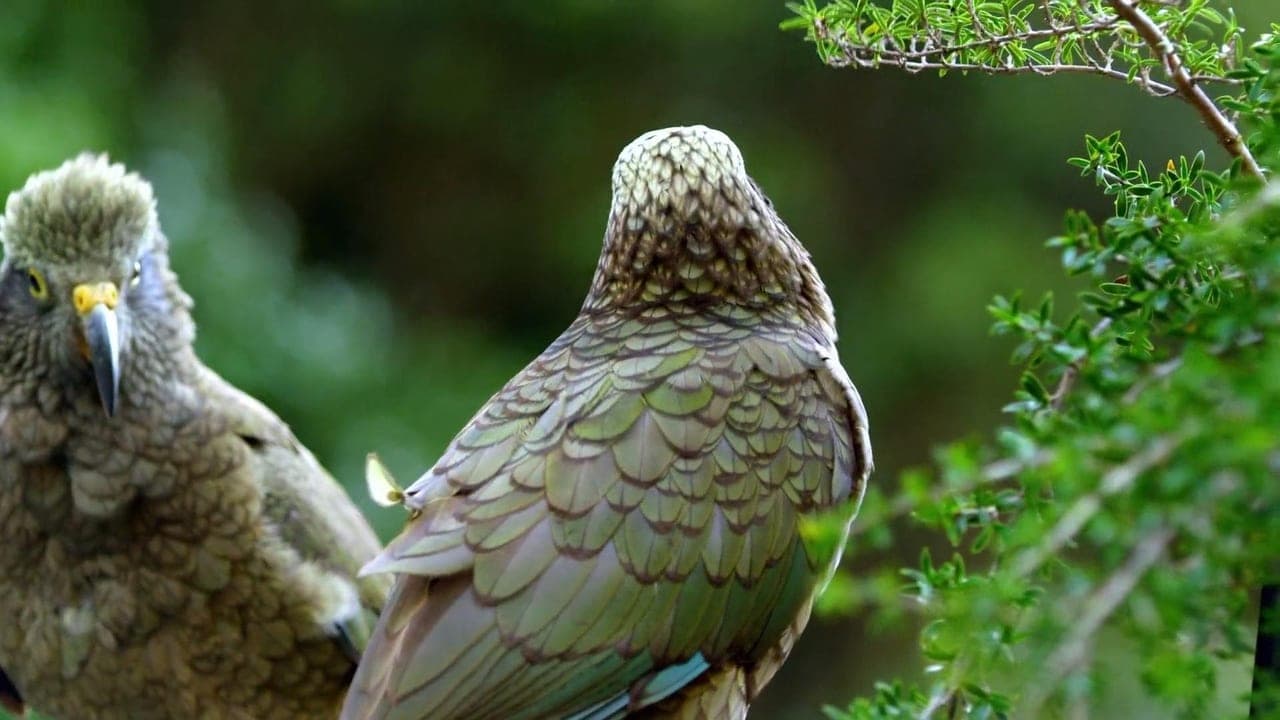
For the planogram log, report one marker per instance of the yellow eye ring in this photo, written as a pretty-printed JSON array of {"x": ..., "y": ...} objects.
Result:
[{"x": 37, "y": 285}]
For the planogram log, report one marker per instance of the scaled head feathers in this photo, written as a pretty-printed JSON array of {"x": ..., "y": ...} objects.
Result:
[
  {"x": 688, "y": 222},
  {"x": 683, "y": 174},
  {"x": 87, "y": 211}
]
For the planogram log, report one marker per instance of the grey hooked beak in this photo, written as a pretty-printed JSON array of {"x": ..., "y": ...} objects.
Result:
[{"x": 96, "y": 305}]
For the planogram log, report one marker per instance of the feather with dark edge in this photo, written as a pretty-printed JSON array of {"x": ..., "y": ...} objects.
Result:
[
  {"x": 618, "y": 530},
  {"x": 180, "y": 554}
]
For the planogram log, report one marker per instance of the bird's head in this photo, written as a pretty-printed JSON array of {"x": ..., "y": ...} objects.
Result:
[
  {"x": 85, "y": 280},
  {"x": 688, "y": 223}
]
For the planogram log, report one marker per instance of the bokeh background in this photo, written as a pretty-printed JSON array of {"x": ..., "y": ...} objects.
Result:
[{"x": 384, "y": 209}]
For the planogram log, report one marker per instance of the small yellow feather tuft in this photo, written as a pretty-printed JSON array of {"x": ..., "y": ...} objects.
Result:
[{"x": 383, "y": 488}]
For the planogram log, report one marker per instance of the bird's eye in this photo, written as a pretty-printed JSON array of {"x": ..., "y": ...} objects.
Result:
[
  {"x": 137, "y": 274},
  {"x": 36, "y": 284}
]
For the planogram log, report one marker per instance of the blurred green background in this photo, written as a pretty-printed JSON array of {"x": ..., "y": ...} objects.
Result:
[{"x": 384, "y": 209}]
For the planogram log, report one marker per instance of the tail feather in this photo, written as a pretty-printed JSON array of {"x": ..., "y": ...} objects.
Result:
[
  {"x": 720, "y": 695},
  {"x": 383, "y": 652}
]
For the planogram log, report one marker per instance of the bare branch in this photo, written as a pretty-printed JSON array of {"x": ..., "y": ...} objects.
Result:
[
  {"x": 941, "y": 698},
  {"x": 1187, "y": 86},
  {"x": 994, "y": 472},
  {"x": 1073, "y": 520},
  {"x": 1099, "y": 606},
  {"x": 1103, "y": 602},
  {"x": 1158, "y": 373}
]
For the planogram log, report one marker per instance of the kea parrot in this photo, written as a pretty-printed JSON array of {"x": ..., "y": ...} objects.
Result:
[
  {"x": 168, "y": 549},
  {"x": 624, "y": 528}
]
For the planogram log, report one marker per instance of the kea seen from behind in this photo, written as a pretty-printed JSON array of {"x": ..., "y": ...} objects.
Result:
[
  {"x": 621, "y": 530},
  {"x": 167, "y": 547}
]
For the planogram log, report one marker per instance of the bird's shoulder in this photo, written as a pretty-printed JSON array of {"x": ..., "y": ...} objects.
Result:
[
  {"x": 304, "y": 504},
  {"x": 705, "y": 385},
  {"x": 639, "y": 486},
  {"x": 659, "y": 445}
]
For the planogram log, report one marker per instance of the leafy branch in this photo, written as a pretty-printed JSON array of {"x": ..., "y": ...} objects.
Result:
[
  {"x": 1193, "y": 45},
  {"x": 1189, "y": 89},
  {"x": 1136, "y": 498}
]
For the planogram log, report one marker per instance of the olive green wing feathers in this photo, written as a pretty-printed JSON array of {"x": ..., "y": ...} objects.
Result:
[
  {"x": 309, "y": 511},
  {"x": 621, "y": 516}
]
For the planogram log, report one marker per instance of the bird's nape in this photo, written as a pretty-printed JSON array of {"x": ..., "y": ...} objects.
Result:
[{"x": 688, "y": 224}]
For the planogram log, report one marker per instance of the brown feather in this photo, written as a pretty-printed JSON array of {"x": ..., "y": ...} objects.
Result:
[{"x": 185, "y": 557}]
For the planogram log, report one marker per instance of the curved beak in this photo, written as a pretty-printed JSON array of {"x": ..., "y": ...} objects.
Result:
[{"x": 96, "y": 305}]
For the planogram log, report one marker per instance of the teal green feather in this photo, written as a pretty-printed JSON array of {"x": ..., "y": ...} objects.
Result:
[{"x": 618, "y": 530}]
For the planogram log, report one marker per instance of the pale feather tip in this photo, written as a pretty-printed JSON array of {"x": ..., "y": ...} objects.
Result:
[
  {"x": 382, "y": 486},
  {"x": 694, "y": 154}
]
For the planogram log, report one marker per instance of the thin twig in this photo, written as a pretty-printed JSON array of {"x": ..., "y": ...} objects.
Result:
[
  {"x": 1103, "y": 602},
  {"x": 1188, "y": 89},
  {"x": 1072, "y": 372},
  {"x": 1068, "y": 381},
  {"x": 914, "y": 61},
  {"x": 993, "y": 472},
  {"x": 1078, "y": 709},
  {"x": 936, "y": 702},
  {"x": 1158, "y": 373},
  {"x": 932, "y": 52},
  {"x": 947, "y": 696},
  {"x": 1119, "y": 478},
  {"x": 1100, "y": 606}
]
